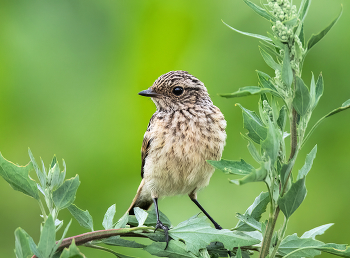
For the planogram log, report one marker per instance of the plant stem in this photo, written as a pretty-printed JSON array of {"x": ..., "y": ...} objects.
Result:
[{"x": 265, "y": 246}]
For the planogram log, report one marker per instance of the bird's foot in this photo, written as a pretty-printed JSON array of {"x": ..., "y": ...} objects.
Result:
[{"x": 165, "y": 229}]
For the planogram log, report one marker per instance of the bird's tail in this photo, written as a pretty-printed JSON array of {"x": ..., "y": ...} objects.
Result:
[{"x": 141, "y": 200}]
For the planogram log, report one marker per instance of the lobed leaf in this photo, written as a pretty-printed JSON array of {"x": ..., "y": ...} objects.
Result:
[
  {"x": 83, "y": 217},
  {"x": 301, "y": 100},
  {"x": 308, "y": 163},
  {"x": 295, "y": 247},
  {"x": 316, "y": 38},
  {"x": 64, "y": 195},
  {"x": 232, "y": 166},
  {"x": 269, "y": 60},
  {"x": 256, "y": 128},
  {"x": 287, "y": 73},
  {"x": 316, "y": 231},
  {"x": 22, "y": 249},
  {"x": 293, "y": 198},
  {"x": 107, "y": 222},
  {"x": 18, "y": 177}
]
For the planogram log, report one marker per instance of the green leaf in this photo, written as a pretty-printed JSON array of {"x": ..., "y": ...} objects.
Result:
[
  {"x": 319, "y": 89},
  {"x": 292, "y": 22},
  {"x": 316, "y": 38},
  {"x": 239, "y": 253},
  {"x": 108, "y": 218},
  {"x": 272, "y": 142},
  {"x": 269, "y": 60},
  {"x": 308, "y": 163},
  {"x": 118, "y": 241},
  {"x": 249, "y": 34},
  {"x": 301, "y": 101},
  {"x": 63, "y": 236},
  {"x": 316, "y": 231},
  {"x": 203, "y": 253},
  {"x": 39, "y": 173},
  {"x": 140, "y": 215},
  {"x": 287, "y": 73},
  {"x": 151, "y": 218},
  {"x": 22, "y": 249},
  {"x": 246, "y": 91},
  {"x": 83, "y": 217},
  {"x": 252, "y": 149},
  {"x": 175, "y": 249},
  {"x": 197, "y": 234},
  {"x": 250, "y": 221},
  {"x": 64, "y": 196},
  {"x": 232, "y": 166},
  {"x": 262, "y": 12},
  {"x": 344, "y": 106},
  {"x": 301, "y": 247},
  {"x": 293, "y": 198},
  {"x": 122, "y": 221},
  {"x": 18, "y": 177},
  {"x": 33, "y": 247},
  {"x": 255, "y": 176},
  {"x": 256, "y": 128},
  {"x": 275, "y": 41},
  {"x": 340, "y": 250},
  {"x": 47, "y": 240},
  {"x": 265, "y": 82},
  {"x": 282, "y": 118},
  {"x": 72, "y": 252},
  {"x": 302, "y": 35},
  {"x": 255, "y": 210}
]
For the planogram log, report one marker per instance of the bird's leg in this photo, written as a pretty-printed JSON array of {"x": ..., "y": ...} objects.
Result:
[
  {"x": 217, "y": 226},
  {"x": 160, "y": 224}
]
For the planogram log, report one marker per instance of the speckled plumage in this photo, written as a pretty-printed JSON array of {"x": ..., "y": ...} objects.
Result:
[{"x": 182, "y": 134}]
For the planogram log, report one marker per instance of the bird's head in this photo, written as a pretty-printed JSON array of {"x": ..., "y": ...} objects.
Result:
[{"x": 177, "y": 90}]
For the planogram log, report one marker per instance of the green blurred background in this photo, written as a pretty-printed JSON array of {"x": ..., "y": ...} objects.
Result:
[{"x": 70, "y": 72}]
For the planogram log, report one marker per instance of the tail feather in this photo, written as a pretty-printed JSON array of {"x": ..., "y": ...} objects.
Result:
[{"x": 140, "y": 200}]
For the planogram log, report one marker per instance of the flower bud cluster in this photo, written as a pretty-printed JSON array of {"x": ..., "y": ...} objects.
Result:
[{"x": 267, "y": 110}]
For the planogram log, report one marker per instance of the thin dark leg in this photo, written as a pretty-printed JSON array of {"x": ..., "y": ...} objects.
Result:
[
  {"x": 217, "y": 226},
  {"x": 160, "y": 224}
]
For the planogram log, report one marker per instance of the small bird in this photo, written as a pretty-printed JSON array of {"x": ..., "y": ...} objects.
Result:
[{"x": 184, "y": 132}]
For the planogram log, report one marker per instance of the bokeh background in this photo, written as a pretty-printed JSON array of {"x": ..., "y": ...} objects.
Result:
[{"x": 70, "y": 72}]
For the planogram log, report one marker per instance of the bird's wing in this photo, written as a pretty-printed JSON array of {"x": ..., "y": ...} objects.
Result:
[{"x": 146, "y": 143}]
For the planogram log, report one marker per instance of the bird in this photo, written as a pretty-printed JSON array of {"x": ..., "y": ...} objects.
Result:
[{"x": 185, "y": 131}]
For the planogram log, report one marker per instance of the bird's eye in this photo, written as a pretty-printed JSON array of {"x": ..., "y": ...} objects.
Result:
[{"x": 178, "y": 91}]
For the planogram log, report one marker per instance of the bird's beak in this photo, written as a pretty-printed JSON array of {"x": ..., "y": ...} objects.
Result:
[{"x": 149, "y": 93}]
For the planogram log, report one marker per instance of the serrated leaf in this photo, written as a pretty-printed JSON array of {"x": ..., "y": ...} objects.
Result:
[
  {"x": 316, "y": 231},
  {"x": 175, "y": 249},
  {"x": 122, "y": 221},
  {"x": 271, "y": 144},
  {"x": 249, "y": 34},
  {"x": 287, "y": 73},
  {"x": 256, "y": 128},
  {"x": 232, "y": 166},
  {"x": 197, "y": 234},
  {"x": 255, "y": 176},
  {"x": 18, "y": 177},
  {"x": 301, "y": 101},
  {"x": 316, "y": 38},
  {"x": 47, "y": 240},
  {"x": 72, "y": 252},
  {"x": 118, "y": 241},
  {"x": 140, "y": 215},
  {"x": 255, "y": 210},
  {"x": 39, "y": 173},
  {"x": 64, "y": 195},
  {"x": 250, "y": 221},
  {"x": 308, "y": 163},
  {"x": 340, "y": 250},
  {"x": 83, "y": 217},
  {"x": 293, "y": 198},
  {"x": 306, "y": 246},
  {"x": 262, "y": 12},
  {"x": 22, "y": 249},
  {"x": 246, "y": 91},
  {"x": 269, "y": 60},
  {"x": 108, "y": 218}
]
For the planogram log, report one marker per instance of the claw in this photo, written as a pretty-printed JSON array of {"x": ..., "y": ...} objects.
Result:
[{"x": 165, "y": 229}]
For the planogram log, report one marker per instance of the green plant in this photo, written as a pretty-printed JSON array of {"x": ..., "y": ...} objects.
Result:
[{"x": 283, "y": 98}]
